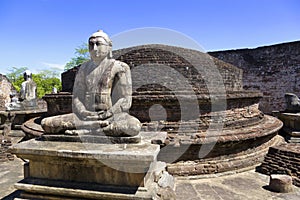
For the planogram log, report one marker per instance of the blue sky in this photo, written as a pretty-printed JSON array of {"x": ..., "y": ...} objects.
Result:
[{"x": 40, "y": 34}]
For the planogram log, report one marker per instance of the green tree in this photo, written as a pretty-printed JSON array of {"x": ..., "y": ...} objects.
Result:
[
  {"x": 45, "y": 80},
  {"x": 81, "y": 56},
  {"x": 16, "y": 76}
]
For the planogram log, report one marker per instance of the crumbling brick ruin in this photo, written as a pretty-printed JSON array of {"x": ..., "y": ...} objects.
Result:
[
  {"x": 274, "y": 70},
  {"x": 283, "y": 159},
  {"x": 247, "y": 132}
]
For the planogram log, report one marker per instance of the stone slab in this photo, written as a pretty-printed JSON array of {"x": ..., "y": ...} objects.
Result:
[
  {"x": 130, "y": 152},
  {"x": 86, "y": 167},
  {"x": 47, "y": 189},
  {"x": 91, "y": 139},
  {"x": 247, "y": 185}
]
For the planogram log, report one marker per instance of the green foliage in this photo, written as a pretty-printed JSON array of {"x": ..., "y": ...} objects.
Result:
[
  {"x": 16, "y": 76},
  {"x": 45, "y": 80},
  {"x": 81, "y": 56}
]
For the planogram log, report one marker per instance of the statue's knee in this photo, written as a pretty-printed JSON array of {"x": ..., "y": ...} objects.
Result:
[
  {"x": 52, "y": 125},
  {"x": 134, "y": 126},
  {"x": 46, "y": 125}
]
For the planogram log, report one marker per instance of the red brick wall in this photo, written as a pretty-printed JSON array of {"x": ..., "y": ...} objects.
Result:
[{"x": 274, "y": 70}]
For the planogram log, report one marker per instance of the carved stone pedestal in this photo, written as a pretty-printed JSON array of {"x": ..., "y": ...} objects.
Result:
[{"x": 73, "y": 170}]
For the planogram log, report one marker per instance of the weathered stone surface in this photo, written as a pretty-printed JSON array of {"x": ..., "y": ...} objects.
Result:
[
  {"x": 246, "y": 186},
  {"x": 37, "y": 189},
  {"x": 159, "y": 169},
  {"x": 6, "y": 88},
  {"x": 57, "y": 168},
  {"x": 92, "y": 139},
  {"x": 291, "y": 128},
  {"x": 58, "y": 104},
  {"x": 166, "y": 194},
  {"x": 281, "y": 183},
  {"x": 166, "y": 180}
]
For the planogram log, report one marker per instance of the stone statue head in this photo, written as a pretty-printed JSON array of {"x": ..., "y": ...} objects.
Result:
[
  {"x": 27, "y": 75},
  {"x": 100, "y": 46}
]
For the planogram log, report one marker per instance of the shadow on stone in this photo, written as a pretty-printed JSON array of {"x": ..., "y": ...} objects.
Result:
[{"x": 12, "y": 195}]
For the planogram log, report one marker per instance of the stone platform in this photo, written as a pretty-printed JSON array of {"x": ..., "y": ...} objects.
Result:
[
  {"x": 18, "y": 117},
  {"x": 87, "y": 170},
  {"x": 291, "y": 128},
  {"x": 241, "y": 186},
  {"x": 231, "y": 149}
]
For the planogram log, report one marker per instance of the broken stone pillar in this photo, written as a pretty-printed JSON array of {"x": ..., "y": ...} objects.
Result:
[{"x": 281, "y": 183}]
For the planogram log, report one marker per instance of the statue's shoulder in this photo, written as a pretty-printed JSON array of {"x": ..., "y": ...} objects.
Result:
[
  {"x": 85, "y": 67},
  {"x": 86, "y": 64},
  {"x": 122, "y": 67}
]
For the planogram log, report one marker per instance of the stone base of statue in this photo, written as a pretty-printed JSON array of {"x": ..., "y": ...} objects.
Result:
[
  {"x": 92, "y": 139},
  {"x": 291, "y": 125},
  {"x": 24, "y": 105},
  {"x": 79, "y": 170}
]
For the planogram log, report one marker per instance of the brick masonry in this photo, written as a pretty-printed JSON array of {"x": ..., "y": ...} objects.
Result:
[
  {"x": 274, "y": 70},
  {"x": 197, "y": 68},
  {"x": 219, "y": 164},
  {"x": 283, "y": 159}
]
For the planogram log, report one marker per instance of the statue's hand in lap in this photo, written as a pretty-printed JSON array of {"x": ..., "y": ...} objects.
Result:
[
  {"x": 89, "y": 116},
  {"x": 94, "y": 116},
  {"x": 104, "y": 115}
]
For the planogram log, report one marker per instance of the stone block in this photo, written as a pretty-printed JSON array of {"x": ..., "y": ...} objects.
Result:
[
  {"x": 159, "y": 169},
  {"x": 166, "y": 180},
  {"x": 124, "y": 167},
  {"x": 281, "y": 183}
]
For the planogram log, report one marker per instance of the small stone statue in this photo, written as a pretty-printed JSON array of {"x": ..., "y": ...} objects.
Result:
[
  {"x": 292, "y": 102},
  {"x": 28, "y": 91},
  {"x": 102, "y": 96},
  {"x": 27, "y": 99}
]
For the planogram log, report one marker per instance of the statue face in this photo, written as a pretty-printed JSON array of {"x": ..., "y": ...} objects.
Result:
[{"x": 98, "y": 48}]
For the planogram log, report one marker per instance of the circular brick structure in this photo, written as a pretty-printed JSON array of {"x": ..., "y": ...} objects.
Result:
[{"x": 225, "y": 119}]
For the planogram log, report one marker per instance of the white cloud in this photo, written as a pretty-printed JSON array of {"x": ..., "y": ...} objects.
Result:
[{"x": 54, "y": 65}]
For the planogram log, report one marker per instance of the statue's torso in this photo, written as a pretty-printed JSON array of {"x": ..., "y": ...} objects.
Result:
[
  {"x": 99, "y": 82},
  {"x": 28, "y": 91}
]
